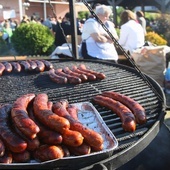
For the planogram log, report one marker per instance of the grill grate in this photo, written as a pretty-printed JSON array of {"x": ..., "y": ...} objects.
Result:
[{"x": 119, "y": 78}]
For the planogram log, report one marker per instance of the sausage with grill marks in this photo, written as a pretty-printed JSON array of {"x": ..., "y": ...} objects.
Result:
[
  {"x": 45, "y": 134},
  {"x": 125, "y": 114},
  {"x": 91, "y": 77},
  {"x": 83, "y": 77},
  {"x": 10, "y": 138},
  {"x": 71, "y": 79},
  {"x": 2, "y": 68},
  {"x": 94, "y": 139},
  {"x": 46, "y": 116},
  {"x": 98, "y": 75},
  {"x": 133, "y": 105},
  {"x": 20, "y": 116},
  {"x": 56, "y": 78}
]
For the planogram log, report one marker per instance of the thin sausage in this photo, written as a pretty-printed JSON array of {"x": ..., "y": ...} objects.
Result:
[
  {"x": 40, "y": 66},
  {"x": 73, "y": 111},
  {"x": 83, "y": 77},
  {"x": 25, "y": 65},
  {"x": 16, "y": 66},
  {"x": 20, "y": 116},
  {"x": 98, "y": 75},
  {"x": 126, "y": 116},
  {"x": 133, "y": 105},
  {"x": 48, "y": 64},
  {"x": 56, "y": 78},
  {"x": 33, "y": 65},
  {"x": 71, "y": 79},
  {"x": 91, "y": 77},
  {"x": 10, "y": 138}
]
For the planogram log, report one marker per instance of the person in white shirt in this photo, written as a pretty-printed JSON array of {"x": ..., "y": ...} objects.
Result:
[
  {"x": 132, "y": 35},
  {"x": 98, "y": 44}
]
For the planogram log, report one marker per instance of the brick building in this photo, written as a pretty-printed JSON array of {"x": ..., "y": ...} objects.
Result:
[{"x": 41, "y": 8}]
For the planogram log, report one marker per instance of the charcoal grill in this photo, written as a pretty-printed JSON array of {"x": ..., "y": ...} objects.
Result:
[{"x": 120, "y": 78}]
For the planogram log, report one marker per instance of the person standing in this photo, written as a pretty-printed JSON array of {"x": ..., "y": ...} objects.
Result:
[
  {"x": 141, "y": 20},
  {"x": 132, "y": 35},
  {"x": 97, "y": 44}
]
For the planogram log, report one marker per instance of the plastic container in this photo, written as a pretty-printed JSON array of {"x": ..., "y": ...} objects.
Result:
[{"x": 167, "y": 79}]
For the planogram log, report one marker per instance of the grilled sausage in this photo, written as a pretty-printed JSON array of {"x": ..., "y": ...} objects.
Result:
[
  {"x": 48, "y": 64},
  {"x": 6, "y": 158},
  {"x": 94, "y": 139},
  {"x": 16, "y": 66},
  {"x": 33, "y": 65},
  {"x": 56, "y": 78},
  {"x": 48, "y": 152},
  {"x": 71, "y": 79},
  {"x": 133, "y": 105},
  {"x": 83, "y": 149},
  {"x": 10, "y": 138},
  {"x": 126, "y": 116},
  {"x": 46, "y": 116},
  {"x": 2, "y": 148},
  {"x": 70, "y": 72},
  {"x": 2, "y": 68},
  {"x": 45, "y": 134},
  {"x": 91, "y": 77},
  {"x": 22, "y": 157},
  {"x": 8, "y": 67},
  {"x": 25, "y": 65},
  {"x": 20, "y": 116},
  {"x": 73, "y": 111},
  {"x": 98, "y": 75},
  {"x": 40, "y": 66}
]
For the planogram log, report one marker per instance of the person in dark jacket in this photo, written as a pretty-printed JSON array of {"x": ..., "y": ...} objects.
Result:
[{"x": 66, "y": 26}]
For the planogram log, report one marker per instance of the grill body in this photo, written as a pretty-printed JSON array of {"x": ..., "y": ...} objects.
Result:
[{"x": 121, "y": 79}]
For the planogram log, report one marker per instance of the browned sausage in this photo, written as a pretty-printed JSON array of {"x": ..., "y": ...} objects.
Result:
[
  {"x": 48, "y": 64},
  {"x": 91, "y": 77},
  {"x": 48, "y": 152},
  {"x": 2, "y": 68},
  {"x": 22, "y": 157},
  {"x": 71, "y": 79},
  {"x": 40, "y": 66},
  {"x": 45, "y": 134},
  {"x": 98, "y": 75},
  {"x": 56, "y": 78},
  {"x": 126, "y": 116},
  {"x": 25, "y": 65},
  {"x": 70, "y": 72},
  {"x": 133, "y": 105},
  {"x": 46, "y": 116},
  {"x": 73, "y": 111},
  {"x": 20, "y": 116},
  {"x": 2, "y": 148},
  {"x": 33, "y": 65},
  {"x": 6, "y": 158},
  {"x": 91, "y": 137},
  {"x": 8, "y": 67},
  {"x": 16, "y": 66},
  {"x": 10, "y": 138},
  {"x": 83, "y": 149}
]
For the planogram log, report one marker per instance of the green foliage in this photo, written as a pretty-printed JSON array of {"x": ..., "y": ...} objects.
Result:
[
  {"x": 83, "y": 14},
  {"x": 163, "y": 25},
  {"x": 3, "y": 47},
  {"x": 32, "y": 39},
  {"x": 155, "y": 38}
]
